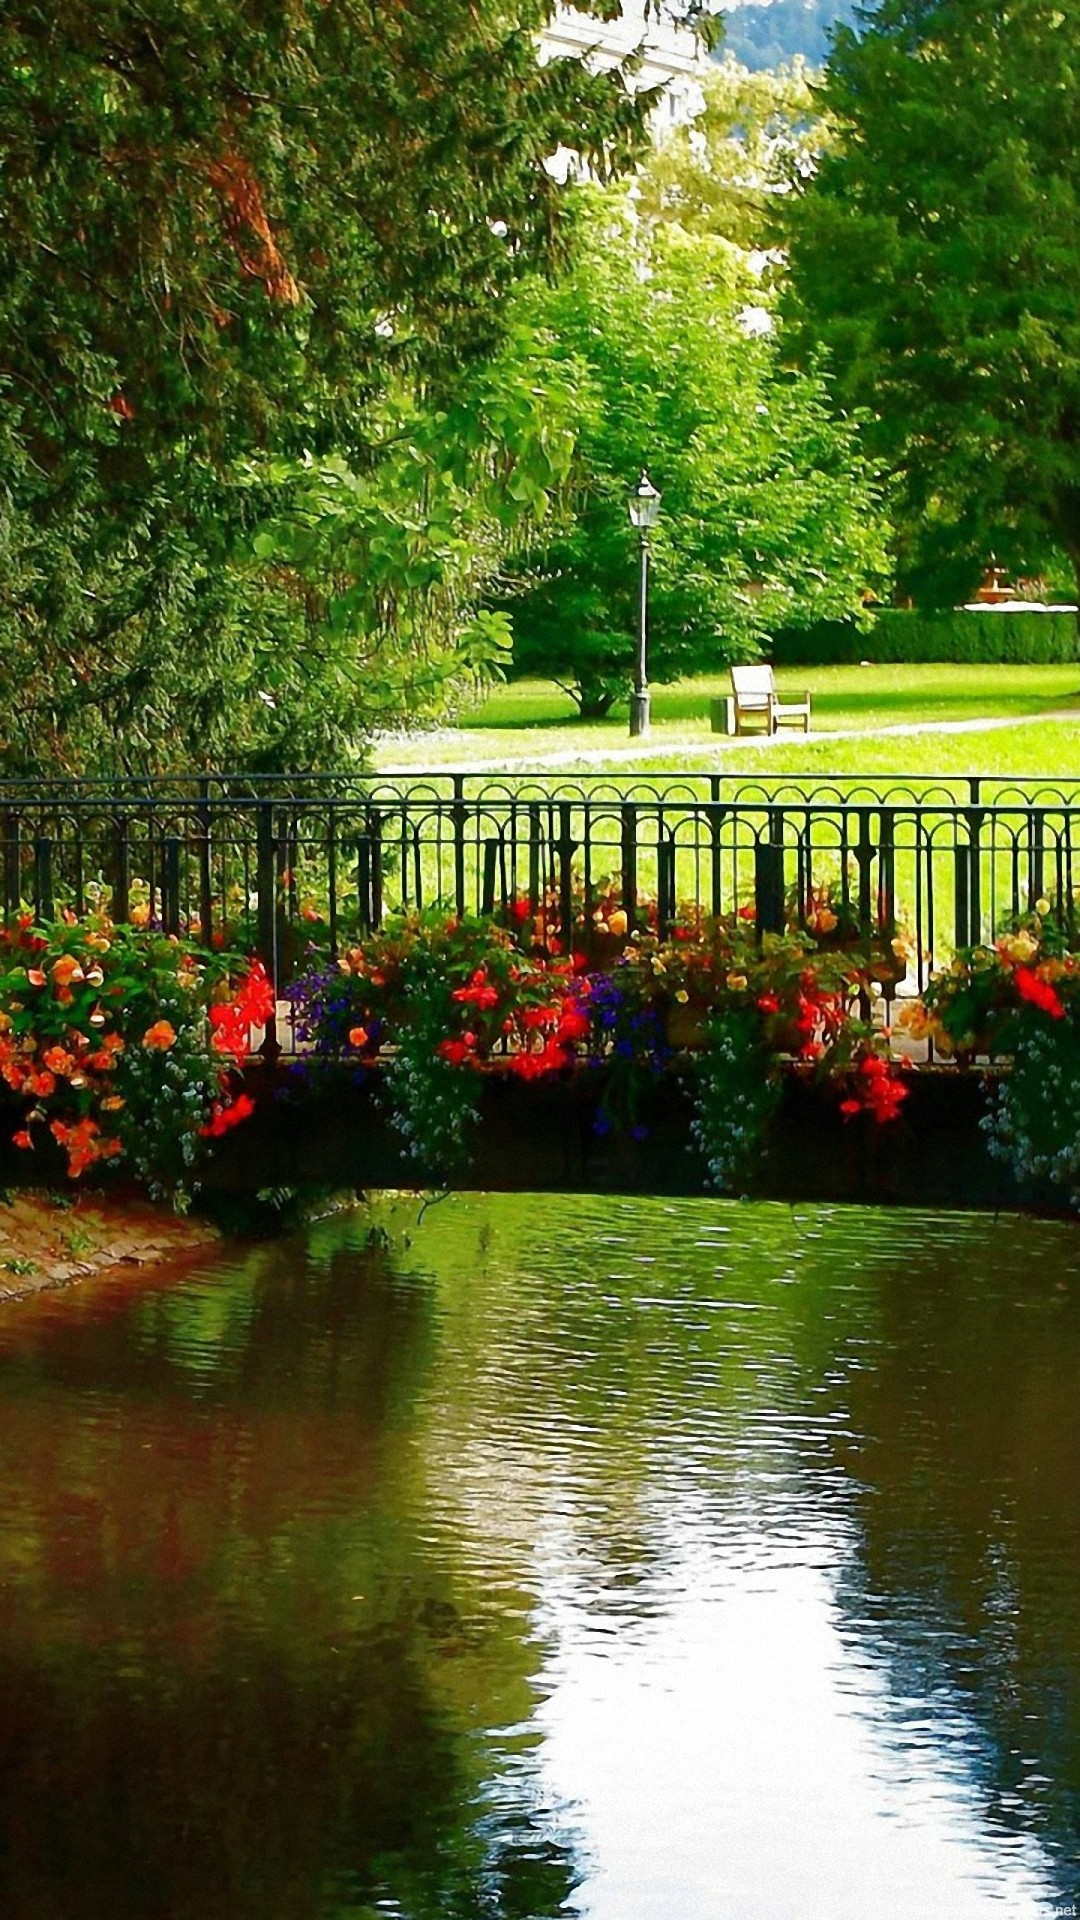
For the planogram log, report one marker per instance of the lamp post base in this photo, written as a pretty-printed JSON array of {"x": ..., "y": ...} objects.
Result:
[{"x": 639, "y": 715}]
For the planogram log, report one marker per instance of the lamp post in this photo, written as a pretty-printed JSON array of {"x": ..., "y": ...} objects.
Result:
[{"x": 644, "y": 506}]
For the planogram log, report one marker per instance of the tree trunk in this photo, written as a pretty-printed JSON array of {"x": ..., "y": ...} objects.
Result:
[{"x": 593, "y": 702}]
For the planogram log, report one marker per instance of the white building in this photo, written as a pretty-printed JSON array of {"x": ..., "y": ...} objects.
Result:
[{"x": 672, "y": 56}]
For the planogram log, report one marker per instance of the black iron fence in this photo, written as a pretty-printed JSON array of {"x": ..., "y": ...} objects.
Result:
[{"x": 933, "y": 863}]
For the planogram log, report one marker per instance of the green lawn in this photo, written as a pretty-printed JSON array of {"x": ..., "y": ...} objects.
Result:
[{"x": 531, "y": 724}]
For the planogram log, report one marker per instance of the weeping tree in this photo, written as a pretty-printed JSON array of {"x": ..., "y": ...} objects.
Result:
[{"x": 239, "y": 246}]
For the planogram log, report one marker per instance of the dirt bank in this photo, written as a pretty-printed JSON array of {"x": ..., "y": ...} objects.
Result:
[{"x": 49, "y": 1240}]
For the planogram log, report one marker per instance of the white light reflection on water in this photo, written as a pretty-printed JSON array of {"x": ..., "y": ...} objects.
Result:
[{"x": 735, "y": 1761}]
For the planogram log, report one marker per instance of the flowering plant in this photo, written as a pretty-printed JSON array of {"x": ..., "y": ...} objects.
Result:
[
  {"x": 1019, "y": 1001},
  {"x": 444, "y": 998},
  {"x": 119, "y": 1045},
  {"x": 440, "y": 1000}
]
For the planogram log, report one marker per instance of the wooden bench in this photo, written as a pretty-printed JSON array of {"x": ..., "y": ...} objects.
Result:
[{"x": 756, "y": 700}]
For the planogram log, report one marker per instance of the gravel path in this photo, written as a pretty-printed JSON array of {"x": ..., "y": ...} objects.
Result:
[{"x": 719, "y": 745}]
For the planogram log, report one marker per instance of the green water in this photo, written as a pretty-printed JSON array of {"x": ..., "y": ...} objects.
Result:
[{"x": 620, "y": 1559}]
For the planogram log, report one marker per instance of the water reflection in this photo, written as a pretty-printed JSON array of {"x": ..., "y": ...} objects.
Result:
[{"x": 621, "y": 1559}]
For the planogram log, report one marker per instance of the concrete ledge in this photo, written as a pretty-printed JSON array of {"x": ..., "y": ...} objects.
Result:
[{"x": 542, "y": 1137}]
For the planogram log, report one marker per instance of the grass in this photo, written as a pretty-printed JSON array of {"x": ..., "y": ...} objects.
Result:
[{"x": 532, "y": 724}]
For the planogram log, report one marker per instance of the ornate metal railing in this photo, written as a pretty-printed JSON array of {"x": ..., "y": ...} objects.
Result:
[{"x": 943, "y": 862}]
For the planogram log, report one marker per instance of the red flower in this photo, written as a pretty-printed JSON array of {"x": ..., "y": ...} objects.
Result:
[
  {"x": 535, "y": 1019},
  {"x": 21, "y": 1139},
  {"x": 256, "y": 996},
  {"x": 768, "y": 1003},
  {"x": 456, "y": 1052},
  {"x": 574, "y": 1024},
  {"x": 1039, "y": 993},
  {"x": 530, "y": 1066},
  {"x": 223, "y": 1118},
  {"x": 479, "y": 993},
  {"x": 880, "y": 1090}
]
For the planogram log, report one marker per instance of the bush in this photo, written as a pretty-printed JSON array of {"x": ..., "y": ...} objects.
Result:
[
  {"x": 985, "y": 638},
  {"x": 119, "y": 1046}
]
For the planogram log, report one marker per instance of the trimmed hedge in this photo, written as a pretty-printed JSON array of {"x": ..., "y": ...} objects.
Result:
[{"x": 981, "y": 638}]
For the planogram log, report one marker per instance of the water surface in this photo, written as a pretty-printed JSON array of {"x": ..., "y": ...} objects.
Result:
[{"x": 620, "y": 1559}]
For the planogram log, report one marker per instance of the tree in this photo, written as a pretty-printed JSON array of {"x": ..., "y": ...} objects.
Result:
[
  {"x": 727, "y": 172},
  {"x": 235, "y": 240},
  {"x": 936, "y": 255},
  {"x": 770, "y": 514}
]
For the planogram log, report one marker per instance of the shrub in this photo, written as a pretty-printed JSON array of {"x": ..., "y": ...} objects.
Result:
[
  {"x": 983, "y": 638},
  {"x": 1019, "y": 1001},
  {"x": 119, "y": 1044}
]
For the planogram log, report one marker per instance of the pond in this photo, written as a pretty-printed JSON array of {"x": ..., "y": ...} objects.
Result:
[{"x": 535, "y": 1556}]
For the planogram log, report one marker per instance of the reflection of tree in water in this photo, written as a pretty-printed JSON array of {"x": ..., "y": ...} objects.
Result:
[
  {"x": 267, "y": 1542},
  {"x": 242, "y": 1671},
  {"x": 965, "y": 1460}
]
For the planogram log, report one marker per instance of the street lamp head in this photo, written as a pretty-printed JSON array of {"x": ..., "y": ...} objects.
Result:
[{"x": 644, "y": 504}]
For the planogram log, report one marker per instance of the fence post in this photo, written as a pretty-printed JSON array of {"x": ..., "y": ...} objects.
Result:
[
  {"x": 331, "y": 878},
  {"x": 769, "y": 888},
  {"x": 887, "y": 873},
  {"x": 43, "y": 877},
  {"x": 629, "y": 864},
  {"x": 363, "y": 881},
  {"x": 375, "y": 821},
  {"x": 1036, "y": 870},
  {"x": 969, "y": 879},
  {"x": 206, "y": 884},
  {"x": 458, "y": 816},
  {"x": 665, "y": 883},
  {"x": 487, "y": 896},
  {"x": 12, "y": 864},
  {"x": 535, "y": 848},
  {"x": 121, "y": 872},
  {"x": 566, "y": 849},
  {"x": 266, "y": 912},
  {"x": 170, "y": 885},
  {"x": 716, "y": 860}
]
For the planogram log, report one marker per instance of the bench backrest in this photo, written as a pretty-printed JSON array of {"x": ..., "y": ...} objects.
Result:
[{"x": 752, "y": 686}]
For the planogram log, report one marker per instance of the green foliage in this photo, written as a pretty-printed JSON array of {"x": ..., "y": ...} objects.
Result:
[
  {"x": 237, "y": 247},
  {"x": 106, "y": 1043},
  {"x": 723, "y": 172},
  {"x": 771, "y": 514},
  {"x": 1019, "y": 1001},
  {"x": 976, "y": 639},
  {"x": 935, "y": 254},
  {"x": 735, "y": 1096}
]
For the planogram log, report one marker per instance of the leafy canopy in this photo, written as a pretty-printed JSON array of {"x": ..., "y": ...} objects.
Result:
[
  {"x": 238, "y": 244},
  {"x": 937, "y": 255}
]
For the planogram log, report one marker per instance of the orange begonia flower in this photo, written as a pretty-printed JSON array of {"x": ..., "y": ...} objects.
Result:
[
  {"x": 67, "y": 969},
  {"x": 160, "y": 1037},
  {"x": 58, "y": 1060}
]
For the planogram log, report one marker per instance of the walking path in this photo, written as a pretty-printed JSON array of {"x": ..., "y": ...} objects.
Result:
[{"x": 714, "y": 744}]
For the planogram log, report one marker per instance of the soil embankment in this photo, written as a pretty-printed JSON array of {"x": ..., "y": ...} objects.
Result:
[{"x": 50, "y": 1240}]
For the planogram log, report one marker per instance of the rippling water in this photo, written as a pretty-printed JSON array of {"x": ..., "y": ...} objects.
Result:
[{"x": 533, "y": 1556}]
